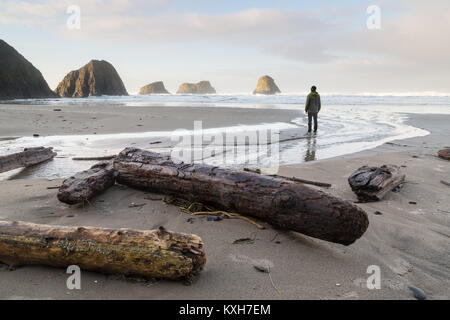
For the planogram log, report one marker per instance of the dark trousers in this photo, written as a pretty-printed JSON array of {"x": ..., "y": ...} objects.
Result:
[{"x": 310, "y": 118}]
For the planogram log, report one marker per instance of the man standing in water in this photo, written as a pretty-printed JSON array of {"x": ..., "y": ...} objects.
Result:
[{"x": 312, "y": 107}]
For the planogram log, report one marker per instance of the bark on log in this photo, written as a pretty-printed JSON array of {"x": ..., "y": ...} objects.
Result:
[
  {"x": 150, "y": 254},
  {"x": 284, "y": 204},
  {"x": 27, "y": 158},
  {"x": 87, "y": 184},
  {"x": 444, "y": 154},
  {"x": 373, "y": 183}
]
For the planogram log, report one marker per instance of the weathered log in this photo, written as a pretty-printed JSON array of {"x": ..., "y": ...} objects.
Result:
[
  {"x": 282, "y": 203},
  {"x": 444, "y": 154},
  {"x": 150, "y": 254},
  {"x": 27, "y": 158},
  {"x": 373, "y": 183},
  {"x": 87, "y": 184}
]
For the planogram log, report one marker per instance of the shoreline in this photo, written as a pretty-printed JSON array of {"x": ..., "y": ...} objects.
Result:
[{"x": 113, "y": 122}]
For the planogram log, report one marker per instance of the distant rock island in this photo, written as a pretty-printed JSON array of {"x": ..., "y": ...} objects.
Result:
[
  {"x": 19, "y": 79},
  {"x": 202, "y": 87},
  {"x": 266, "y": 85},
  {"x": 96, "y": 78},
  {"x": 154, "y": 88}
]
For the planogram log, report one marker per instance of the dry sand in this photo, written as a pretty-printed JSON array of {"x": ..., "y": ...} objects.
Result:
[{"x": 410, "y": 243}]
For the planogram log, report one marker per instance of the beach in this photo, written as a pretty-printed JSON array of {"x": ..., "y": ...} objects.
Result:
[{"x": 408, "y": 241}]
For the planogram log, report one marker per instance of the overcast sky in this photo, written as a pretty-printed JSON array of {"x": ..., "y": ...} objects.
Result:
[{"x": 233, "y": 42}]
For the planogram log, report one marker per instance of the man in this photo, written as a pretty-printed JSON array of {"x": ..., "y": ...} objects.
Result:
[{"x": 312, "y": 107}]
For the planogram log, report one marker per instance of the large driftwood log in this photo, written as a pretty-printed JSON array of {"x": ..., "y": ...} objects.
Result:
[
  {"x": 27, "y": 158},
  {"x": 373, "y": 183},
  {"x": 284, "y": 204},
  {"x": 87, "y": 184},
  {"x": 150, "y": 254}
]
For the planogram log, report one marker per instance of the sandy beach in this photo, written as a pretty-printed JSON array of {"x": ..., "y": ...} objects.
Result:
[
  {"x": 25, "y": 120},
  {"x": 409, "y": 242}
]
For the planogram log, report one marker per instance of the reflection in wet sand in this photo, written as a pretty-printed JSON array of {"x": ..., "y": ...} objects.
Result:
[{"x": 310, "y": 148}]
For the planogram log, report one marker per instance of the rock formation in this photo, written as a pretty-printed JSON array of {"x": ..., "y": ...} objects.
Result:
[
  {"x": 154, "y": 88},
  {"x": 97, "y": 78},
  {"x": 266, "y": 85},
  {"x": 202, "y": 87},
  {"x": 19, "y": 79}
]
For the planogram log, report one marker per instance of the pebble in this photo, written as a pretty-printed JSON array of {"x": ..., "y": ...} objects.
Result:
[
  {"x": 412, "y": 202},
  {"x": 418, "y": 294},
  {"x": 378, "y": 213},
  {"x": 35, "y": 135}
]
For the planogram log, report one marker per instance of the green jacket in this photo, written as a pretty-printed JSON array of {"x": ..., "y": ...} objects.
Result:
[{"x": 313, "y": 103}]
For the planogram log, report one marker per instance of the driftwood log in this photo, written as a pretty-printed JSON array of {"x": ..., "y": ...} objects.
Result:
[
  {"x": 150, "y": 254},
  {"x": 87, "y": 184},
  {"x": 373, "y": 183},
  {"x": 282, "y": 203},
  {"x": 444, "y": 154},
  {"x": 27, "y": 158}
]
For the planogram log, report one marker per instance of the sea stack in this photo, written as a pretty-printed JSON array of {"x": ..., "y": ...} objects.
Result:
[
  {"x": 266, "y": 85},
  {"x": 154, "y": 88},
  {"x": 96, "y": 78},
  {"x": 202, "y": 87},
  {"x": 19, "y": 79}
]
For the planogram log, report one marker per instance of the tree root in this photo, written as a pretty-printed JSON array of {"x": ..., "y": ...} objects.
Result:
[{"x": 200, "y": 209}]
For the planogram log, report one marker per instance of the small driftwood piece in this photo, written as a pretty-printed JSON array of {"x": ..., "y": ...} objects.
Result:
[
  {"x": 445, "y": 182},
  {"x": 310, "y": 182},
  {"x": 27, "y": 158},
  {"x": 150, "y": 254},
  {"x": 87, "y": 184},
  {"x": 284, "y": 204},
  {"x": 373, "y": 183},
  {"x": 313, "y": 183},
  {"x": 94, "y": 158},
  {"x": 444, "y": 154}
]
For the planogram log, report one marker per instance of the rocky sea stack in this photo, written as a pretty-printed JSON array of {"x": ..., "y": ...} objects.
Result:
[
  {"x": 266, "y": 85},
  {"x": 97, "y": 78},
  {"x": 202, "y": 87},
  {"x": 154, "y": 88},
  {"x": 19, "y": 79}
]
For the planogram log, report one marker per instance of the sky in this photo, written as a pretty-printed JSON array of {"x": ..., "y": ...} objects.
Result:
[{"x": 232, "y": 43}]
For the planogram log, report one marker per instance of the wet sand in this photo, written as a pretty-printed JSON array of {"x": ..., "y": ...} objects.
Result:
[
  {"x": 25, "y": 120},
  {"x": 409, "y": 242}
]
